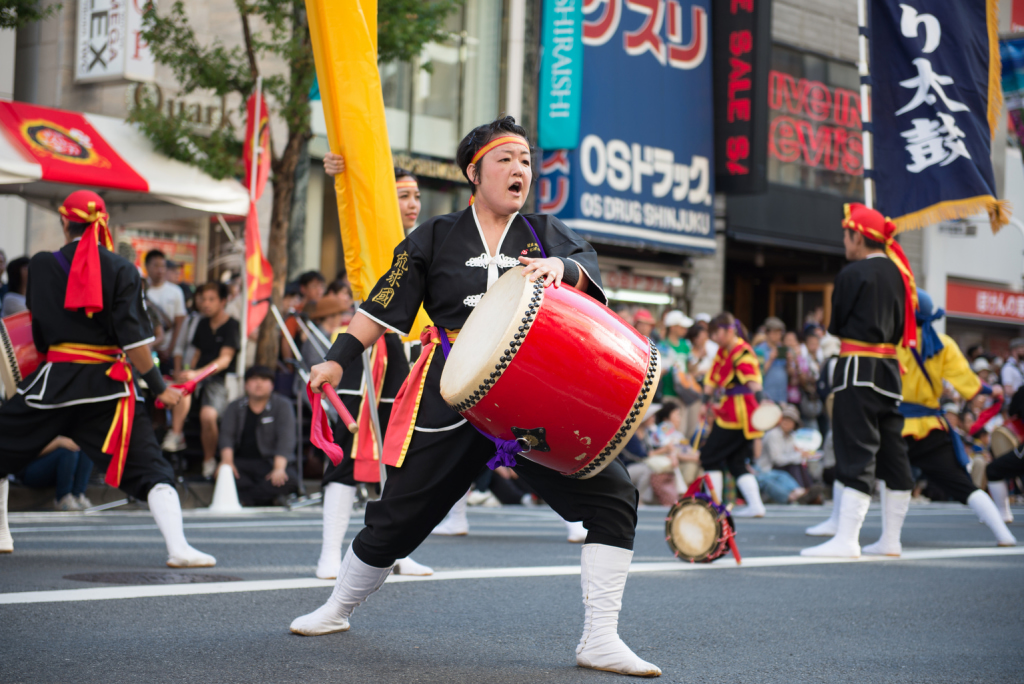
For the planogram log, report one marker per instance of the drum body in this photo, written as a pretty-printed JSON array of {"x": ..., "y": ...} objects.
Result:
[
  {"x": 695, "y": 530},
  {"x": 553, "y": 369},
  {"x": 18, "y": 354},
  {"x": 1005, "y": 439}
]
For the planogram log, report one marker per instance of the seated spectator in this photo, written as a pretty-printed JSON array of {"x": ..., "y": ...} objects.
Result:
[
  {"x": 343, "y": 292},
  {"x": 638, "y": 451},
  {"x": 17, "y": 286},
  {"x": 258, "y": 441},
  {"x": 780, "y": 450},
  {"x": 679, "y": 459},
  {"x": 217, "y": 339},
  {"x": 63, "y": 466}
]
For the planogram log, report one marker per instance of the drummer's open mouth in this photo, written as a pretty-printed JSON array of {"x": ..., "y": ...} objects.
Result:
[{"x": 515, "y": 188}]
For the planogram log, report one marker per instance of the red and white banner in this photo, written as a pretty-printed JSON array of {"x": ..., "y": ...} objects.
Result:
[
  {"x": 984, "y": 303},
  {"x": 262, "y": 148}
]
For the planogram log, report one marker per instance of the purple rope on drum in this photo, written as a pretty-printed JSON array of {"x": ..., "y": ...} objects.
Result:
[
  {"x": 719, "y": 508},
  {"x": 507, "y": 449}
]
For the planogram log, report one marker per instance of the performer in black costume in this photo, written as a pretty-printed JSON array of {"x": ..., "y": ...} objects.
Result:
[
  {"x": 873, "y": 307},
  {"x": 89, "y": 319},
  {"x": 447, "y": 264},
  {"x": 1007, "y": 466}
]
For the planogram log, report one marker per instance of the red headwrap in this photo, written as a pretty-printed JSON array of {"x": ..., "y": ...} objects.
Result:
[
  {"x": 872, "y": 225},
  {"x": 85, "y": 284}
]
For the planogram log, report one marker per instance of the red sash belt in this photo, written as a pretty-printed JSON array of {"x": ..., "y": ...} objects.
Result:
[
  {"x": 407, "y": 403},
  {"x": 364, "y": 452},
  {"x": 857, "y": 348},
  {"x": 120, "y": 433}
]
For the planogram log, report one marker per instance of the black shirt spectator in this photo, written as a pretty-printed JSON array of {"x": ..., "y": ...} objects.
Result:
[{"x": 210, "y": 341}]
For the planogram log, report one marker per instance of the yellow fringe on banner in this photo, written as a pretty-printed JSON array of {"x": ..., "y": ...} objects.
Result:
[
  {"x": 998, "y": 213},
  {"x": 995, "y": 68}
]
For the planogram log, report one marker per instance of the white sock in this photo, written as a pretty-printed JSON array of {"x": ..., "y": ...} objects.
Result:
[
  {"x": 338, "y": 500},
  {"x": 716, "y": 482},
  {"x": 166, "y": 509},
  {"x": 1001, "y": 497},
  {"x": 828, "y": 528},
  {"x": 6, "y": 540},
  {"x": 356, "y": 581},
  {"x": 455, "y": 523},
  {"x": 747, "y": 484},
  {"x": 577, "y": 533},
  {"x": 407, "y": 566},
  {"x": 987, "y": 512},
  {"x": 853, "y": 509},
  {"x": 894, "y": 511}
]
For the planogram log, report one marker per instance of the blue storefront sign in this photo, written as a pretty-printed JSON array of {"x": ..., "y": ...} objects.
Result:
[
  {"x": 561, "y": 74},
  {"x": 643, "y": 173}
]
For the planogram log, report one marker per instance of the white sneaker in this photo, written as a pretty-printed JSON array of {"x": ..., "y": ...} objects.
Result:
[
  {"x": 209, "y": 468},
  {"x": 68, "y": 502},
  {"x": 173, "y": 442},
  {"x": 407, "y": 566},
  {"x": 84, "y": 502}
]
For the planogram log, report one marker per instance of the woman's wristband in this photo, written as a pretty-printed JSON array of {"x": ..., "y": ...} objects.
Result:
[
  {"x": 571, "y": 274},
  {"x": 154, "y": 380},
  {"x": 346, "y": 349}
]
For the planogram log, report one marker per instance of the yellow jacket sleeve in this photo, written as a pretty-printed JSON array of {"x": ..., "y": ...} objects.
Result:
[{"x": 957, "y": 371}]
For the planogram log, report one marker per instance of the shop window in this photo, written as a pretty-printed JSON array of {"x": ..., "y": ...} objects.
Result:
[{"x": 814, "y": 126}]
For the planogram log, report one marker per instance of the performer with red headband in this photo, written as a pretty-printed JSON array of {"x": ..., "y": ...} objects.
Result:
[
  {"x": 447, "y": 264},
  {"x": 89, "y": 320},
  {"x": 873, "y": 309}
]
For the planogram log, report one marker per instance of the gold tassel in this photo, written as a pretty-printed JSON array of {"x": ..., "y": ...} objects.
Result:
[
  {"x": 998, "y": 212},
  {"x": 995, "y": 89}
]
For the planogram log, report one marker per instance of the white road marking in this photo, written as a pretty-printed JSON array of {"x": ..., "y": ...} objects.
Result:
[{"x": 150, "y": 591}]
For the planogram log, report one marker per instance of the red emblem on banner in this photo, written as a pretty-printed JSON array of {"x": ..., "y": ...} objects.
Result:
[{"x": 263, "y": 146}]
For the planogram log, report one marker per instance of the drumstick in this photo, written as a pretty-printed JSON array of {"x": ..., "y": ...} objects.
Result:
[
  {"x": 343, "y": 413},
  {"x": 203, "y": 374}
]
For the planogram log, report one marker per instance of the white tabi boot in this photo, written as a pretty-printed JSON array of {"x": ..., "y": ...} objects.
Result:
[
  {"x": 845, "y": 544},
  {"x": 716, "y": 482},
  {"x": 603, "y": 571},
  {"x": 894, "y": 510},
  {"x": 747, "y": 484},
  {"x": 356, "y": 581},
  {"x": 166, "y": 509},
  {"x": 455, "y": 524},
  {"x": 338, "y": 499},
  {"x": 6, "y": 540},
  {"x": 576, "y": 531},
  {"x": 407, "y": 566},
  {"x": 828, "y": 528},
  {"x": 987, "y": 512},
  {"x": 1001, "y": 497}
]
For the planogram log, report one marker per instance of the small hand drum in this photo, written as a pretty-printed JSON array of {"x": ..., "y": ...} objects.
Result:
[
  {"x": 766, "y": 416},
  {"x": 1004, "y": 440},
  {"x": 697, "y": 528}
]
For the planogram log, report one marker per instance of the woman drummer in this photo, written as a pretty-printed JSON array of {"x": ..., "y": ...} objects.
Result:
[
  {"x": 447, "y": 264},
  {"x": 339, "y": 481},
  {"x": 737, "y": 375}
]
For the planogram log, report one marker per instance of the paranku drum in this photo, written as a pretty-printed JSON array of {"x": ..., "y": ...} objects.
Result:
[
  {"x": 1005, "y": 438},
  {"x": 766, "y": 416},
  {"x": 697, "y": 529},
  {"x": 18, "y": 354},
  {"x": 553, "y": 369}
]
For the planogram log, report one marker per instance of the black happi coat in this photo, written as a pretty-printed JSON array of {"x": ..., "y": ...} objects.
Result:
[
  {"x": 443, "y": 265},
  {"x": 122, "y": 322},
  {"x": 868, "y": 306}
]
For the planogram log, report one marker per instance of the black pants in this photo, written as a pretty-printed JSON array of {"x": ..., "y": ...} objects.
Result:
[
  {"x": 254, "y": 489},
  {"x": 25, "y": 430},
  {"x": 439, "y": 468},
  {"x": 1006, "y": 466},
  {"x": 727, "y": 448},
  {"x": 867, "y": 431},
  {"x": 936, "y": 458}
]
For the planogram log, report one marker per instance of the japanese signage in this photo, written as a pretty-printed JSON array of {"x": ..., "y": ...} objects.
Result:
[
  {"x": 643, "y": 174},
  {"x": 181, "y": 249},
  {"x": 109, "y": 45},
  {"x": 561, "y": 74},
  {"x": 741, "y": 51},
  {"x": 984, "y": 303},
  {"x": 935, "y": 102}
]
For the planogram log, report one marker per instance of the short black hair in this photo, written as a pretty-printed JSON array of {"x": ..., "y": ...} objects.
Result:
[
  {"x": 727, "y": 320},
  {"x": 480, "y": 136},
  {"x": 404, "y": 173},
  {"x": 339, "y": 285},
  {"x": 668, "y": 405},
  {"x": 14, "y": 268},
  {"x": 311, "y": 276},
  {"x": 259, "y": 372},
  {"x": 76, "y": 229},
  {"x": 154, "y": 254},
  {"x": 220, "y": 288},
  {"x": 868, "y": 242}
]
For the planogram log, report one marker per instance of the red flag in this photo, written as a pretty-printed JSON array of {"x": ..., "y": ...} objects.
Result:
[
  {"x": 263, "y": 162},
  {"x": 259, "y": 274}
]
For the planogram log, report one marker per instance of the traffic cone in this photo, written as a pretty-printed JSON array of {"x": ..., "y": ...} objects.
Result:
[{"x": 225, "y": 494}]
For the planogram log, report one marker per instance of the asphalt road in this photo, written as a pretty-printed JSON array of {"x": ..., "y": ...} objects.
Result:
[{"x": 950, "y": 611}]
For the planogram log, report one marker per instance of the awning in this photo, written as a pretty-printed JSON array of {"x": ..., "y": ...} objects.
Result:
[{"x": 46, "y": 153}]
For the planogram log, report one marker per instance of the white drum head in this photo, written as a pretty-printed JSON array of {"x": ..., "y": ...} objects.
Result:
[
  {"x": 487, "y": 333},
  {"x": 1003, "y": 441},
  {"x": 694, "y": 530},
  {"x": 808, "y": 440},
  {"x": 766, "y": 417}
]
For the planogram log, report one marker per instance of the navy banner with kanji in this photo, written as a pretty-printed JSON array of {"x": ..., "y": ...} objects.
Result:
[{"x": 936, "y": 98}]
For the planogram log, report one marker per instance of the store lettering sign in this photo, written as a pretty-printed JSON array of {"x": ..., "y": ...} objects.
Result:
[
  {"x": 816, "y": 126},
  {"x": 643, "y": 174},
  {"x": 109, "y": 44},
  {"x": 984, "y": 303},
  {"x": 561, "y": 76}
]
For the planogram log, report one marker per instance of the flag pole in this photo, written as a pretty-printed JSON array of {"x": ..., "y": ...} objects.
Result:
[
  {"x": 865, "y": 106},
  {"x": 244, "y": 351}
]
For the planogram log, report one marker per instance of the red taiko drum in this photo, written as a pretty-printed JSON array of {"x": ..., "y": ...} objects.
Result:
[
  {"x": 553, "y": 369},
  {"x": 18, "y": 353}
]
